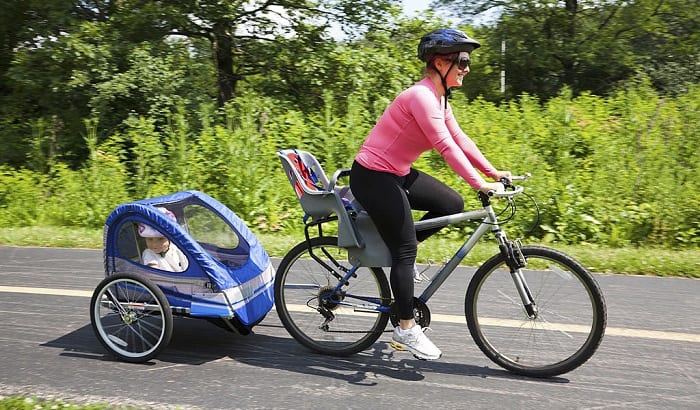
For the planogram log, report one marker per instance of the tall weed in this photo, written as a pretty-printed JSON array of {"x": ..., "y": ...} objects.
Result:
[
  {"x": 20, "y": 193},
  {"x": 620, "y": 170},
  {"x": 86, "y": 196}
]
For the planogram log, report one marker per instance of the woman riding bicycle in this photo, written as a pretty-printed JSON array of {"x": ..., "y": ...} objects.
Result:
[{"x": 388, "y": 188}]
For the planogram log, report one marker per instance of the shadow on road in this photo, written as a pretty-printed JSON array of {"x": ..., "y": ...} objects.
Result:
[{"x": 197, "y": 342}]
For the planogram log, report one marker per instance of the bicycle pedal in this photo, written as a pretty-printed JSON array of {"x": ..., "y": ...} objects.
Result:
[
  {"x": 419, "y": 277},
  {"x": 397, "y": 346}
]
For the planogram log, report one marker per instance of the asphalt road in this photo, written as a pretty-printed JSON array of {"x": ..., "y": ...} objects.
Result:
[{"x": 649, "y": 359}]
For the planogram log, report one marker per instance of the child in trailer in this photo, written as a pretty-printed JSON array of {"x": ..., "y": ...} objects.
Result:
[{"x": 159, "y": 252}]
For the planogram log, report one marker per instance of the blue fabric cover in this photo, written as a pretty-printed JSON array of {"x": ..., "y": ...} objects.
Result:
[{"x": 253, "y": 280}]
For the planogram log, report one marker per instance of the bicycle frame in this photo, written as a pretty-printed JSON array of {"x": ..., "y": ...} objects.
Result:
[{"x": 488, "y": 224}]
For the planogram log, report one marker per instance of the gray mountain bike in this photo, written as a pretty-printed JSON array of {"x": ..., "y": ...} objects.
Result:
[{"x": 530, "y": 309}]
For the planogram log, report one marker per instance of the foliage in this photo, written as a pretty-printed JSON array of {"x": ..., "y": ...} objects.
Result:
[
  {"x": 62, "y": 196},
  {"x": 64, "y": 62},
  {"x": 20, "y": 191},
  {"x": 584, "y": 45},
  {"x": 105, "y": 102},
  {"x": 245, "y": 36},
  {"x": 617, "y": 171},
  {"x": 31, "y": 403}
]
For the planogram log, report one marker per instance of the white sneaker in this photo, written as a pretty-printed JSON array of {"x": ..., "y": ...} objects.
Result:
[{"x": 416, "y": 342}]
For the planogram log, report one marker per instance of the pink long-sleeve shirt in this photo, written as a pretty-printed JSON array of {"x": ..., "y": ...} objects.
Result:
[{"x": 415, "y": 122}]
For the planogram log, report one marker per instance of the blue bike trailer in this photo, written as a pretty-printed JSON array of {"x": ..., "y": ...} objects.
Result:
[{"x": 224, "y": 272}]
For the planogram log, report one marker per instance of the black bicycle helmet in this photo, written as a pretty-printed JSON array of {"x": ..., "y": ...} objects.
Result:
[{"x": 445, "y": 41}]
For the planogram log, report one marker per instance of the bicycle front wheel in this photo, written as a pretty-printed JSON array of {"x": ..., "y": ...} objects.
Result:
[
  {"x": 320, "y": 314},
  {"x": 563, "y": 332}
]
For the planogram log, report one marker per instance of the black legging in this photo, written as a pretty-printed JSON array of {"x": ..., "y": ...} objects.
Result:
[{"x": 388, "y": 199}]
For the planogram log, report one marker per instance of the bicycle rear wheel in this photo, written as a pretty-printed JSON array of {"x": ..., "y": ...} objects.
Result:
[
  {"x": 566, "y": 329},
  {"x": 329, "y": 321}
]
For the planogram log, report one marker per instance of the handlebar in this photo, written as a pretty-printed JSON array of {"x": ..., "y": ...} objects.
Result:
[
  {"x": 510, "y": 189},
  {"x": 506, "y": 194},
  {"x": 521, "y": 177}
]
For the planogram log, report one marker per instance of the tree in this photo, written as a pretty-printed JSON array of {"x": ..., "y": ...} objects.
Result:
[
  {"x": 245, "y": 36},
  {"x": 585, "y": 45},
  {"x": 370, "y": 69},
  {"x": 63, "y": 62},
  {"x": 23, "y": 24}
]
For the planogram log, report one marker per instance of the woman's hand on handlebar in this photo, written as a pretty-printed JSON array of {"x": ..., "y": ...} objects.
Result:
[
  {"x": 504, "y": 186},
  {"x": 503, "y": 178},
  {"x": 492, "y": 187},
  {"x": 499, "y": 175}
]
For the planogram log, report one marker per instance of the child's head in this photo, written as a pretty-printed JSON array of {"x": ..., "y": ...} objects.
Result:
[
  {"x": 155, "y": 240},
  {"x": 157, "y": 244}
]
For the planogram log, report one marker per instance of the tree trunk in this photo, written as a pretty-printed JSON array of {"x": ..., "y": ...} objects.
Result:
[
  {"x": 569, "y": 62},
  {"x": 226, "y": 79}
]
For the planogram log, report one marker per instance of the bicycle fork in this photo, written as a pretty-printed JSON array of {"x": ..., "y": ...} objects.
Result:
[{"x": 512, "y": 252}]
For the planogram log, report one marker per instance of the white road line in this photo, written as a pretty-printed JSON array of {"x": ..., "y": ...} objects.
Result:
[
  {"x": 609, "y": 331},
  {"x": 46, "y": 291}
]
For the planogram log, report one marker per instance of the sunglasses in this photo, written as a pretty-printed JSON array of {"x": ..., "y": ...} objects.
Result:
[{"x": 462, "y": 62}]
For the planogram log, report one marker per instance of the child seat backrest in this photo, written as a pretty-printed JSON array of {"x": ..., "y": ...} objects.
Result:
[
  {"x": 318, "y": 196},
  {"x": 309, "y": 176}
]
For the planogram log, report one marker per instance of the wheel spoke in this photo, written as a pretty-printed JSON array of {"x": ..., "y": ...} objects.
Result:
[
  {"x": 131, "y": 317},
  {"x": 320, "y": 314},
  {"x": 562, "y": 289}
]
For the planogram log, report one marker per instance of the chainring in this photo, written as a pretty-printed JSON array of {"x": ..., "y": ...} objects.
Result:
[{"x": 421, "y": 313}]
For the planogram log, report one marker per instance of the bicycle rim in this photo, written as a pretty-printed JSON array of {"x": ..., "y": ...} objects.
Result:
[
  {"x": 140, "y": 327},
  {"x": 568, "y": 326},
  {"x": 303, "y": 289}
]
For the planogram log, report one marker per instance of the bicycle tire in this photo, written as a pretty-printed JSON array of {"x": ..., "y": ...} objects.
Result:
[
  {"x": 300, "y": 286},
  {"x": 139, "y": 332},
  {"x": 570, "y": 321}
]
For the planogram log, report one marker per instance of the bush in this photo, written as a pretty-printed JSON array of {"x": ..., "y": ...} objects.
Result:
[
  {"x": 21, "y": 192},
  {"x": 617, "y": 171}
]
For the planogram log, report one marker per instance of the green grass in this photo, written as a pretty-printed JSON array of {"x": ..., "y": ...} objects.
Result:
[
  {"x": 630, "y": 260},
  {"x": 33, "y": 403},
  {"x": 52, "y": 236}
]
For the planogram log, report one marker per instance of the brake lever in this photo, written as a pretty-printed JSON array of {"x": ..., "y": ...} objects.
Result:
[{"x": 506, "y": 183}]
